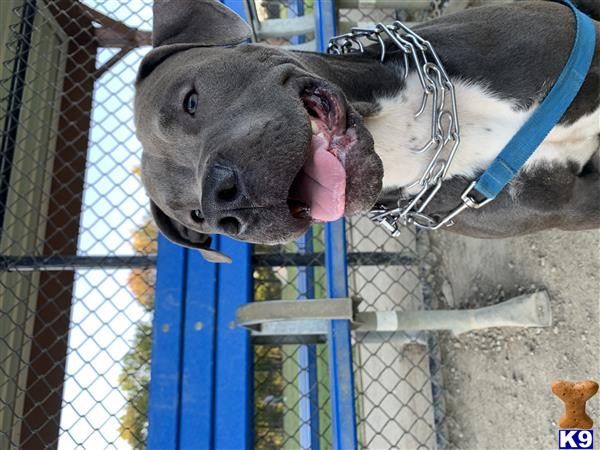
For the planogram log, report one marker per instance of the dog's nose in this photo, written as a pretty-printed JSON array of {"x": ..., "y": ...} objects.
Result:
[
  {"x": 222, "y": 184},
  {"x": 221, "y": 194}
]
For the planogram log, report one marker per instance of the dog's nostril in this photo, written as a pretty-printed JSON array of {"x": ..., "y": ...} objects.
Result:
[
  {"x": 230, "y": 225},
  {"x": 228, "y": 194},
  {"x": 197, "y": 216},
  {"x": 222, "y": 184}
]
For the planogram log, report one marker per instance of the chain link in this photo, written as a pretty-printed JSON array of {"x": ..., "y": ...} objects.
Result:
[
  {"x": 439, "y": 93},
  {"x": 437, "y": 7}
]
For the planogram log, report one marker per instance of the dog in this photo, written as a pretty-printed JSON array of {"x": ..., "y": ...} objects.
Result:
[{"x": 257, "y": 142}]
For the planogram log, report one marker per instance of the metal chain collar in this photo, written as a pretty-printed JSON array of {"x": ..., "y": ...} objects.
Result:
[{"x": 445, "y": 131}]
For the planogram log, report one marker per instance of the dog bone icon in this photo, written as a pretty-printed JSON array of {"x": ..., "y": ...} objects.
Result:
[{"x": 575, "y": 395}]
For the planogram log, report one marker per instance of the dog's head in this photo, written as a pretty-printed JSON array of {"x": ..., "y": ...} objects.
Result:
[{"x": 243, "y": 140}]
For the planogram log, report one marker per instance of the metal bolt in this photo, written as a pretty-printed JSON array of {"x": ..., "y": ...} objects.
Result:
[
  {"x": 232, "y": 325},
  {"x": 165, "y": 327},
  {"x": 198, "y": 326}
]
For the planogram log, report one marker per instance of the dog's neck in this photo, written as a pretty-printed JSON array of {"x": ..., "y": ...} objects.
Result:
[
  {"x": 390, "y": 118},
  {"x": 487, "y": 120},
  {"x": 487, "y": 124}
]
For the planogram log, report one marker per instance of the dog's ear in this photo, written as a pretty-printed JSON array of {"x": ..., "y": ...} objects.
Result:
[
  {"x": 182, "y": 235},
  {"x": 199, "y": 22},
  {"x": 183, "y": 24}
]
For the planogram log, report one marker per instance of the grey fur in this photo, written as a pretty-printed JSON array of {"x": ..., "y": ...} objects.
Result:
[
  {"x": 205, "y": 22},
  {"x": 250, "y": 117}
]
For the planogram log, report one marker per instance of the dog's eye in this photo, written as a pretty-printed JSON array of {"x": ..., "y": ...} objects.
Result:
[
  {"x": 191, "y": 102},
  {"x": 197, "y": 216}
]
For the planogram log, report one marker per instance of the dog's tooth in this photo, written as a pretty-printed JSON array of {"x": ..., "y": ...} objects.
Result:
[{"x": 314, "y": 127}]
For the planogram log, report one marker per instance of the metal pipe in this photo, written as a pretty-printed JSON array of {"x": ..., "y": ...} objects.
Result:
[
  {"x": 9, "y": 263},
  {"x": 318, "y": 259},
  {"x": 73, "y": 262},
  {"x": 530, "y": 310},
  {"x": 404, "y": 5}
]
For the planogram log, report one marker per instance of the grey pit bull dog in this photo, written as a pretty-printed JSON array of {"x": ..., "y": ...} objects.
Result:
[{"x": 258, "y": 143}]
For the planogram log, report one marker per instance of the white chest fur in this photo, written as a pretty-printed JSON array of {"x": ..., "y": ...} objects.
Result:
[{"x": 486, "y": 122}]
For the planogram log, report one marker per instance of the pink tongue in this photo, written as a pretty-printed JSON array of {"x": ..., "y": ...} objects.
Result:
[{"x": 324, "y": 186}]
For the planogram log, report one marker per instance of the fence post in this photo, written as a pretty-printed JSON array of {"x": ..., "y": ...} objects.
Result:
[
  {"x": 296, "y": 9},
  {"x": 324, "y": 11},
  {"x": 343, "y": 415}
]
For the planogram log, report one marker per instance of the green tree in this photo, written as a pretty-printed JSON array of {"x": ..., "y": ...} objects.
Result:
[
  {"x": 140, "y": 280},
  {"x": 134, "y": 381}
]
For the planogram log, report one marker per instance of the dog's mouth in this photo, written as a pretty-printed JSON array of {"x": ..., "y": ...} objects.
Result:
[{"x": 318, "y": 191}]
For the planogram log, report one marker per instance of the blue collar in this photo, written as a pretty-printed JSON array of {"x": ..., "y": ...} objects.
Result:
[{"x": 545, "y": 117}]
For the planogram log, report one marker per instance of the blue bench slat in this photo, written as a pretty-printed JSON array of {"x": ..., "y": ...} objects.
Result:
[
  {"x": 233, "y": 388},
  {"x": 197, "y": 384},
  {"x": 164, "y": 395}
]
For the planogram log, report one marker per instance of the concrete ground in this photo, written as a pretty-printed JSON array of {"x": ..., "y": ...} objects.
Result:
[{"x": 497, "y": 381}]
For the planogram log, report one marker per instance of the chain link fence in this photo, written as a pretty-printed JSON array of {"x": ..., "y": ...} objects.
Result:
[
  {"x": 77, "y": 250},
  {"x": 397, "y": 385},
  {"x": 76, "y": 242}
]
